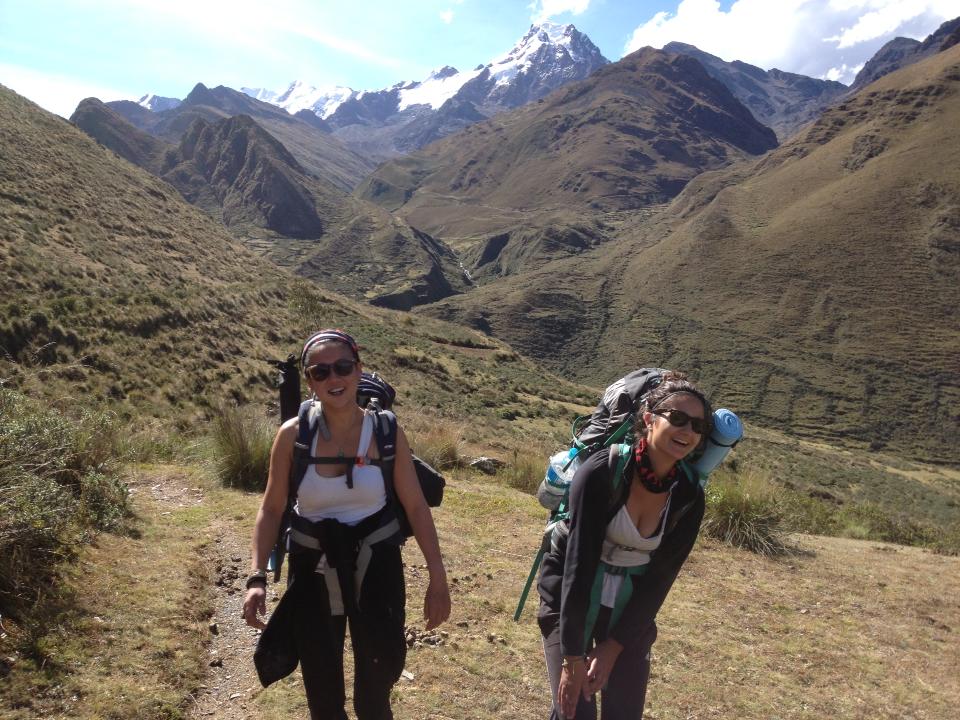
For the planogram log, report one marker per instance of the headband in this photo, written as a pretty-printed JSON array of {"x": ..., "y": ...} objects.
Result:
[{"x": 329, "y": 335}]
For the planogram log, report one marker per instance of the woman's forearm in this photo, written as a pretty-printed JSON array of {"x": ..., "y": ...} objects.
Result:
[
  {"x": 425, "y": 533},
  {"x": 264, "y": 537}
]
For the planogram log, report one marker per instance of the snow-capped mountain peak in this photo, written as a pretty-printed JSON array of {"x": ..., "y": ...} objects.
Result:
[
  {"x": 155, "y": 103},
  {"x": 440, "y": 85},
  {"x": 408, "y": 114},
  {"x": 298, "y": 95},
  {"x": 546, "y": 44}
]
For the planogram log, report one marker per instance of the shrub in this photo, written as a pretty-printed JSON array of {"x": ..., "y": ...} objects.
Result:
[
  {"x": 241, "y": 448},
  {"x": 870, "y": 522},
  {"x": 59, "y": 485},
  {"x": 743, "y": 511}
]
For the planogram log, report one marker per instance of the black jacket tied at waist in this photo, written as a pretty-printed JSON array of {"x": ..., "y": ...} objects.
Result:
[{"x": 345, "y": 550}]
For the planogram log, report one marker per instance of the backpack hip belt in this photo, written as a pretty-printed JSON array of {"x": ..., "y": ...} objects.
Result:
[
  {"x": 624, "y": 592},
  {"x": 345, "y": 550}
]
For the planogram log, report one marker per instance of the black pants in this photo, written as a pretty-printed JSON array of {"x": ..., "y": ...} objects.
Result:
[
  {"x": 626, "y": 690},
  {"x": 376, "y": 634}
]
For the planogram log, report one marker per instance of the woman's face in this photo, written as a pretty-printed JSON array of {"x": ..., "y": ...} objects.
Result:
[
  {"x": 667, "y": 440},
  {"x": 335, "y": 390}
]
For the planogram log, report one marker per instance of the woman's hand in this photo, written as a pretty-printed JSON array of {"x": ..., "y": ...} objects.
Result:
[
  {"x": 436, "y": 603},
  {"x": 254, "y": 604},
  {"x": 573, "y": 674},
  {"x": 600, "y": 664}
]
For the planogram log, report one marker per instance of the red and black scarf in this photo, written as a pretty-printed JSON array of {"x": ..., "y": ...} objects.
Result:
[{"x": 645, "y": 470}]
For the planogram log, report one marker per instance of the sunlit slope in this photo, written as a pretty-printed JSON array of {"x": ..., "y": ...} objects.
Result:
[
  {"x": 116, "y": 291},
  {"x": 816, "y": 290}
]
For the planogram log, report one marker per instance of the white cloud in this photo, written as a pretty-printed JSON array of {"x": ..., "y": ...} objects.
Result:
[
  {"x": 839, "y": 73},
  {"x": 546, "y": 9},
  {"x": 57, "y": 93},
  {"x": 447, "y": 16},
  {"x": 883, "y": 19},
  {"x": 842, "y": 33}
]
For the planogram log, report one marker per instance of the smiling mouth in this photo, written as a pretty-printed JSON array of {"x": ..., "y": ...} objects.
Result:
[{"x": 336, "y": 391}]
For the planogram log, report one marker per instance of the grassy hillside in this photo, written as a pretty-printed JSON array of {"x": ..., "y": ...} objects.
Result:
[
  {"x": 122, "y": 294},
  {"x": 815, "y": 289},
  {"x": 118, "y": 291}
]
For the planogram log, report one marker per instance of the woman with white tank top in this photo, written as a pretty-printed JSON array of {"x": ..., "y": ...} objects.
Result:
[{"x": 348, "y": 503}]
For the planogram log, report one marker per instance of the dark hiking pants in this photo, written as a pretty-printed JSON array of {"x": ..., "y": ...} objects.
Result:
[
  {"x": 376, "y": 634},
  {"x": 626, "y": 690}
]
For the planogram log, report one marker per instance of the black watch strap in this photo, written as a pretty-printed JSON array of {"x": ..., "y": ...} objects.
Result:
[{"x": 257, "y": 578}]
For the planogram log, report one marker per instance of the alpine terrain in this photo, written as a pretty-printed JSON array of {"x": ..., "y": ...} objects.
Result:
[{"x": 409, "y": 115}]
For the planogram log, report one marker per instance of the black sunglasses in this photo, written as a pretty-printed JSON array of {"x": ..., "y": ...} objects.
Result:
[
  {"x": 678, "y": 418},
  {"x": 321, "y": 371}
]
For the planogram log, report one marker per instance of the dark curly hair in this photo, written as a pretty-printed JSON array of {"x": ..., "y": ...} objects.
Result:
[{"x": 673, "y": 382}]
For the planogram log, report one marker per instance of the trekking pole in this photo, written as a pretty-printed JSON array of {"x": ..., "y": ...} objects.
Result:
[
  {"x": 526, "y": 586},
  {"x": 288, "y": 383}
]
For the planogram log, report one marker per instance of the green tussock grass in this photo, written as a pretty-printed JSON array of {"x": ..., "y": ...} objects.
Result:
[
  {"x": 241, "y": 442},
  {"x": 744, "y": 512}
]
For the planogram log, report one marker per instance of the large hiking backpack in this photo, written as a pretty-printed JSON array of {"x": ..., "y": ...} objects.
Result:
[
  {"x": 609, "y": 426},
  {"x": 610, "y": 423},
  {"x": 375, "y": 395}
]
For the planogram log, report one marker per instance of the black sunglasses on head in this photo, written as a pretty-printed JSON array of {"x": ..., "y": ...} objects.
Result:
[
  {"x": 321, "y": 371},
  {"x": 678, "y": 418}
]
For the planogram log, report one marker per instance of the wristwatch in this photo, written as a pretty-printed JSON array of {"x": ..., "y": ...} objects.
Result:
[{"x": 258, "y": 576}]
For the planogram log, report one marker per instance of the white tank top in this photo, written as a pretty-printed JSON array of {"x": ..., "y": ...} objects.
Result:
[
  {"x": 624, "y": 546},
  {"x": 321, "y": 498}
]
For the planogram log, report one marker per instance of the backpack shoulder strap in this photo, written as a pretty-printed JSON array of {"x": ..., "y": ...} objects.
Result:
[
  {"x": 618, "y": 458},
  {"x": 308, "y": 418},
  {"x": 693, "y": 475},
  {"x": 385, "y": 432}
]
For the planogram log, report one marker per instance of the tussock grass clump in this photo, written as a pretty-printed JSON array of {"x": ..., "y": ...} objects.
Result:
[
  {"x": 440, "y": 445},
  {"x": 525, "y": 470},
  {"x": 59, "y": 486},
  {"x": 241, "y": 448},
  {"x": 743, "y": 511}
]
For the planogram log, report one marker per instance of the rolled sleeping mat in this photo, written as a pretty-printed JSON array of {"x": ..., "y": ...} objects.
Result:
[{"x": 727, "y": 432}]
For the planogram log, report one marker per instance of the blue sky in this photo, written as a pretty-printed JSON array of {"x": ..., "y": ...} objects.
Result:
[{"x": 57, "y": 52}]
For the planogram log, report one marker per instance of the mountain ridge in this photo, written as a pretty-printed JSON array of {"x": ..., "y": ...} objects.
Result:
[
  {"x": 629, "y": 136},
  {"x": 781, "y": 100},
  {"x": 313, "y": 147},
  {"x": 242, "y": 176},
  {"x": 408, "y": 115},
  {"x": 816, "y": 287}
]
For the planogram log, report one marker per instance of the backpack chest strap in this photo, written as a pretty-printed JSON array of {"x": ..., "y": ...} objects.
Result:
[{"x": 624, "y": 590}]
